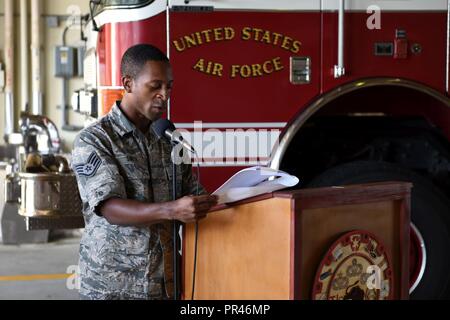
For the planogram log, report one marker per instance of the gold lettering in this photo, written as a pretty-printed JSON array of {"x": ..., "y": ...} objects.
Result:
[
  {"x": 212, "y": 68},
  {"x": 266, "y": 37},
  {"x": 266, "y": 67},
  {"x": 190, "y": 41},
  {"x": 277, "y": 64},
  {"x": 246, "y": 33},
  {"x": 246, "y": 71},
  {"x": 286, "y": 43},
  {"x": 217, "y": 70},
  {"x": 199, "y": 38},
  {"x": 178, "y": 47},
  {"x": 218, "y": 34},
  {"x": 296, "y": 46},
  {"x": 277, "y": 36},
  {"x": 234, "y": 70},
  {"x": 200, "y": 65},
  {"x": 229, "y": 33},
  {"x": 207, "y": 34},
  {"x": 256, "y": 68},
  {"x": 208, "y": 68},
  {"x": 257, "y": 33}
]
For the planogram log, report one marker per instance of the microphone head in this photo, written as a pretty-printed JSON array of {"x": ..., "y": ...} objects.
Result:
[{"x": 160, "y": 126}]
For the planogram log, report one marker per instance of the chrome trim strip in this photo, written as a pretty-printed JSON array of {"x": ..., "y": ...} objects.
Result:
[
  {"x": 168, "y": 52},
  {"x": 447, "y": 76},
  {"x": 326, "y": 98},
  {"x": 128, "y": 15},
  {"x": 424, "y": 258},
  {"x": 123, "y": 7},
  {"x": 339, "y": 69}
]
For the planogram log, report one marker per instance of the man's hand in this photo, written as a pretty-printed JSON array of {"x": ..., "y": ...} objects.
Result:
[{"x": 193, "y": 208}]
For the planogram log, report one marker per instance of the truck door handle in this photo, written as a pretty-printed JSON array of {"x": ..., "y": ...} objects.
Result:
[{"x": 339, "y": 69}]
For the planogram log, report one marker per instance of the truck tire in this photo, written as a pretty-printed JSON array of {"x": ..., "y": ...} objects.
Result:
[{"x": 430, "y": 214}]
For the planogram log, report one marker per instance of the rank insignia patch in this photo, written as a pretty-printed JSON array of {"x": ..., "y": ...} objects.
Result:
[
  {"x": 356, "y": 267},
  {"x": 90, "y": 167}
]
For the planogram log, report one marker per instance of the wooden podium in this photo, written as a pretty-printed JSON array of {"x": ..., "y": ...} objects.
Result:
[{"x": 271, "y": 246}]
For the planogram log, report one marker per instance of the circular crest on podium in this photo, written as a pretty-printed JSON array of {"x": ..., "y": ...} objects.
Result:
[{"x": 356, "y": 267}]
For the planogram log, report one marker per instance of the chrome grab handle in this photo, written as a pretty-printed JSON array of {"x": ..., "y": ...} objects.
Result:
[{"x": 339, "y": 69}]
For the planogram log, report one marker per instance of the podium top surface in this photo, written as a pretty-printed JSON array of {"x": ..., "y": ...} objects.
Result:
[{"x": 335, "y": 195}]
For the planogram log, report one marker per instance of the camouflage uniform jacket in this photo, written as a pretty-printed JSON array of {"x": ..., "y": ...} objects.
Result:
[{"x": 113, "y": 159}]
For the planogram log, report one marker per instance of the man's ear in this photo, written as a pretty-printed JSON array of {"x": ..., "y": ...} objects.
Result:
[{"x": 127, "y": 83}]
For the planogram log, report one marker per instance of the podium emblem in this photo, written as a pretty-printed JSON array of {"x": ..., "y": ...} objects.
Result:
[{"x": 356, "y": 267}]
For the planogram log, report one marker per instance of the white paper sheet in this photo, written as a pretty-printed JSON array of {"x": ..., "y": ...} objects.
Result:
[{"x": 254, "y": 181}]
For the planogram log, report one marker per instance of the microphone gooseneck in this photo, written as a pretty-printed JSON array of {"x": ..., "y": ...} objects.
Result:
[{"x": 164, "y": 128}]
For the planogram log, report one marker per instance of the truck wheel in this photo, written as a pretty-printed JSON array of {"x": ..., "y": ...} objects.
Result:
[{"x": 430, "y": 229}]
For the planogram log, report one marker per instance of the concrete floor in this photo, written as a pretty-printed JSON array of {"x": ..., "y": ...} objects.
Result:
[{"x": 39, "y": 271}]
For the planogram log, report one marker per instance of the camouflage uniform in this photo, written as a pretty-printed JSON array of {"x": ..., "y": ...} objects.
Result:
[{"x": 113, "y": 159}]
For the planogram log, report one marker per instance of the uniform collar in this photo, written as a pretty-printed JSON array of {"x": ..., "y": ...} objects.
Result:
[{"x": 122, "y": 124}]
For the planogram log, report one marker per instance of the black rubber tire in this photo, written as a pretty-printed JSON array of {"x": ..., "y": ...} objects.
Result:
[{"x": 430, "y": 212}]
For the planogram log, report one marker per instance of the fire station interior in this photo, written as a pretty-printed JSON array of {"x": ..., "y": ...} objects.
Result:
[{"x": 370, "y": 133}]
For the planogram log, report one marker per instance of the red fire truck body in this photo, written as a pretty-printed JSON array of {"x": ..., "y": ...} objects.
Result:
[{"x": 348, "y": 90}]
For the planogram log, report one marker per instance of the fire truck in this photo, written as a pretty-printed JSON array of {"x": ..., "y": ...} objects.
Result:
[{"x": 332, "y": 91}]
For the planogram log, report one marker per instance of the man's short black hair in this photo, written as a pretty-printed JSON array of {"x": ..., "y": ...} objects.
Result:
[{"x": 136, "y": 57}]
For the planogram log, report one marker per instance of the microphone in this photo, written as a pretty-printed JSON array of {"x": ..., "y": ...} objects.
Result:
[{"x": 163, "y": 128}]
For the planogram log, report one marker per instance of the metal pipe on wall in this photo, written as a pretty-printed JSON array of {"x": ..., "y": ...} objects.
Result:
[
  {"x": 24, "y": 54},
  {"x": 64, "y": 113},
  {"x": 9, "y": 67},
  {"x": 36, "y": 56}
]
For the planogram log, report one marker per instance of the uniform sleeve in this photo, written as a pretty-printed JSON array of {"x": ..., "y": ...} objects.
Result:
[
  {"x": 96, "y": 171},
  {"x": 190, "y": 182}
]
